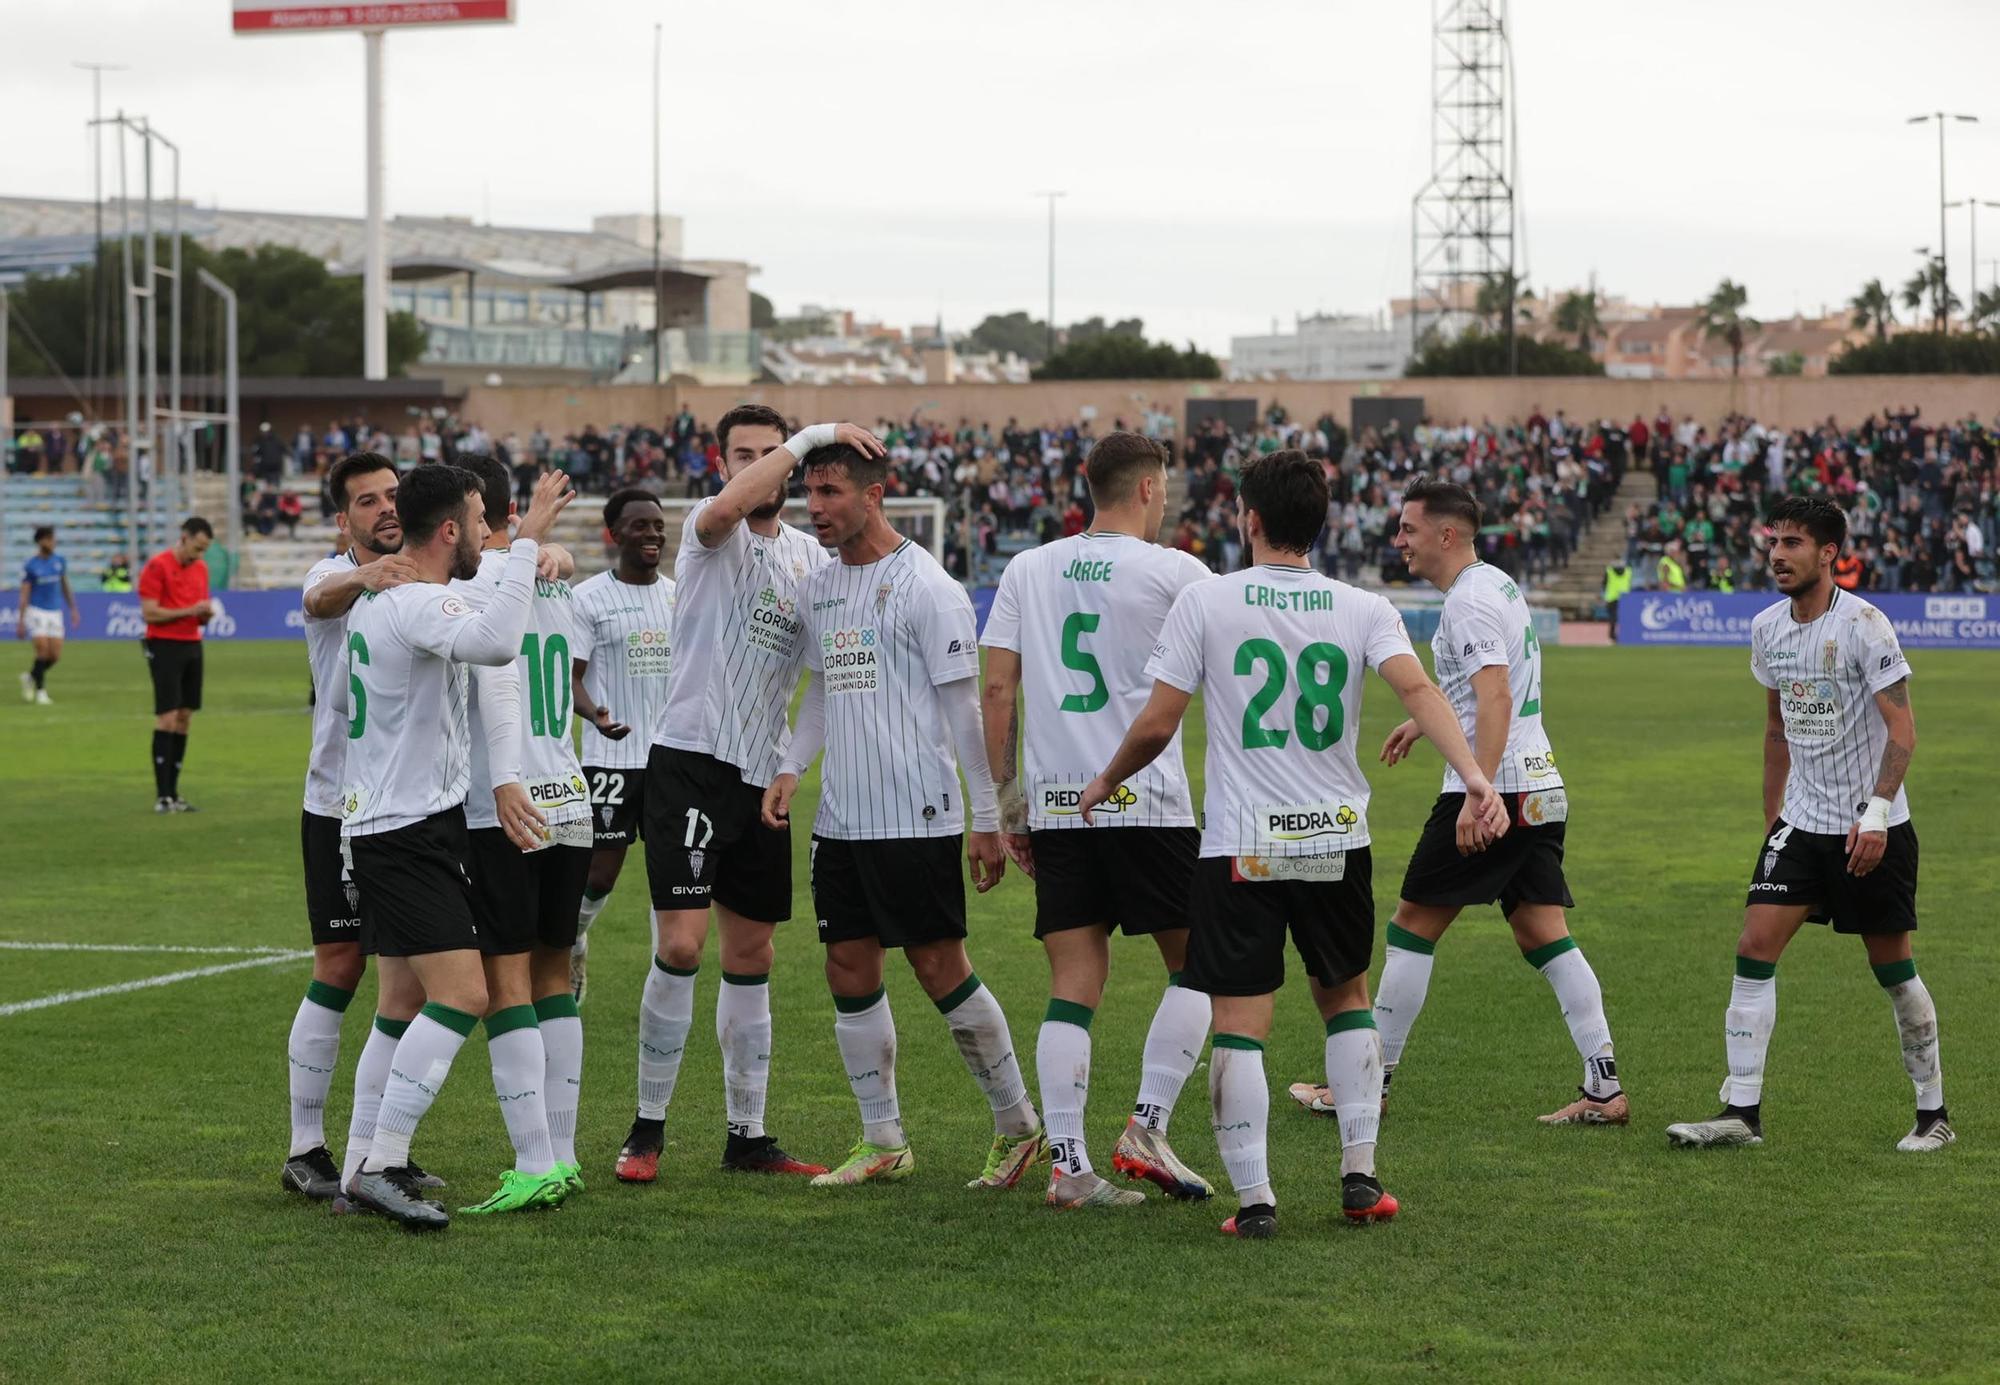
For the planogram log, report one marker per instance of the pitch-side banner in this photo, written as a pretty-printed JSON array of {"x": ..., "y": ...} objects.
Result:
[
  {"x": 314, "y": 16},
  {"x": 246, "y": 615},
  {"x": 1922, "y": 620}
]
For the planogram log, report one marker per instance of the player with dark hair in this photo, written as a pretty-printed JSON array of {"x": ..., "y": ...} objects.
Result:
[
  {"x": 618, "y": 677},
  {"x": 45, "y": 594},
  {"x": 1277, "y": 651},
  {"x": 1839, "y": 734},
  {"x": 174, "y": 603},
  {"x": 894, "y": 699}
]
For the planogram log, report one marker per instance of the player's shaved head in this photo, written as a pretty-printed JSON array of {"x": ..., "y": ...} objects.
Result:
[
  {"x": 496, "y": 488},
  {"x": 1116, "y": 463},
  {"x": 1286, "y": 490}
]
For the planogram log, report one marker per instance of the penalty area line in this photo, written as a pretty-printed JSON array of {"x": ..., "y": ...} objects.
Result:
[{"x": 19, "y": 1007}]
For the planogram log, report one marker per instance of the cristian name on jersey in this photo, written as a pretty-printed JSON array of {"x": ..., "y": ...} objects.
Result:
[
  {"x": 1082, "y": 613},
  {"x": 626, "y": 639},
  {"x": 737, "y": 631},
  {"x": 1278, "y": 653},
  {"x": 1484, "y": 624},
  {"x": 548, "y": 766},
  {"x": 884, "y": 636},
  {"x": 1826, "y": 674},
  {"x": 326, "y": 654}
]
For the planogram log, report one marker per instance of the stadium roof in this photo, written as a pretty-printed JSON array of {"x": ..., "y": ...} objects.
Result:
[{"x": 631, "y": 274}]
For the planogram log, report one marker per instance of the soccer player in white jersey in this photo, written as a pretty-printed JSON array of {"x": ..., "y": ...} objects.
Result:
[
  {"x": 1278, "y": 651},
  {"x": 618, "y": 675},
  {"x": 894, "y": 700},
  {"x": 404, "y": 786},
  {"x": 1073, "y": 622},
  {"x": 527, "y": 885},
  {"x": 363, "y": 487},
  {"x": 1839, "y": 733},
  {"x": 1489, "y": 666},
  {"x": 715, "y": 745}
]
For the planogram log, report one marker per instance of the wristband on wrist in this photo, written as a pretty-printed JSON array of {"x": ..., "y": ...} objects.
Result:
[
  {"x": 812, "y": 436},
  {"x": 1875, "y": 817}
]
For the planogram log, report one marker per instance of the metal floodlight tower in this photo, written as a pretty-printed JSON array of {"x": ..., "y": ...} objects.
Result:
[{"x": 1463, "y": 221}]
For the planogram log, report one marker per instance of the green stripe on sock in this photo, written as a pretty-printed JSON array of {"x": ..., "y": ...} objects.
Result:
[
  {"x": 1237, "y": 1041},
  {"x": 1410, "y": 942},
  {"x": 1069, "y": 1012},
  {"x": 1750, "y": 969},
  {"x": 557, "y": 1007},
  {"x": 1548, "y": 952},
  {"x": 744, "y": 978},
  {"x": 1350, "y": 1019},
  {"x": 393, "y": 1028},
  {"x": 674, "y": 971},
  {"x": 961, "y": 994},
  {"x": 1896, "y": 973},
  {"x": 504, "y": 1021},
  {"x": 457, "y": 1021},
  {"x": 594, "y": 895},
  {"x": 855, "y": 1004},
  {"x": 330, "y": 997},
  {"x": 1173, "y": 978}
]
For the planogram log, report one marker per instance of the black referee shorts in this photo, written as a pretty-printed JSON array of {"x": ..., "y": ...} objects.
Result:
[
  {"x": 1241, "y": 908},
  {"x": 1810, "y": 868},
  {"x": 415, "y": 897},
  {"x": 333, "y": 900},
  {"x": 176, "y": 669},
  {"x": 1130, "y": 878},
  {"x": 1523, "y": 867}
]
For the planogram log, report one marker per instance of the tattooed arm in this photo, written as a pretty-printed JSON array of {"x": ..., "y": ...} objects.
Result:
[{"x": 1869, "y": 836}]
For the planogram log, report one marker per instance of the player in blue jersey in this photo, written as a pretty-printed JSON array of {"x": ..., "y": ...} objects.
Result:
[{"x": 45, "y": 594}]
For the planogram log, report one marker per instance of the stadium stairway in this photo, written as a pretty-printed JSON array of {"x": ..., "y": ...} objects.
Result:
[{"x": 1578, "y": 590}]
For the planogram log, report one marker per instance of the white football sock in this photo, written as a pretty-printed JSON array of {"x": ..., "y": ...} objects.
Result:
[
  {"x": 1582, "y": 1002},
  {"x": 1062, "y": 1063},
  {"x": 562, "y": 1072},
  {"x": 1917, "y": 1028},
  {"x": 1173, "y": 1047},
  {"x": 587, "y": 912},
  {"x": 979, "y": 1028},
  {"x": 866, "y": 1033},
  {"x": 371, "y": 1074},
  {"x": 666, "y": 1014},
  {"x": 1746, "y": 1028},
  {"x": 514, "y": 1045},
  {"x": 1354, "y": 1076},
  {"x": 743, "y": 1029},
  {"x": 1399, "y": 997},
  {"x": 416, "y": 1074},
  {"x": 1242, "y": 1102},
  {"x": 314, "y": 1052}
]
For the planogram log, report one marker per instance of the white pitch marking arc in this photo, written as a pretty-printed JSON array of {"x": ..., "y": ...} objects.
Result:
[{"x": 263, "y": 959}]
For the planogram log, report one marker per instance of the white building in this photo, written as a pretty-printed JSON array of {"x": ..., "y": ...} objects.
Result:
[{"x": 1325, "y": 346}]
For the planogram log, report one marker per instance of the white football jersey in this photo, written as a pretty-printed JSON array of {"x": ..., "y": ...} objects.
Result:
[
  {"x": 883, "y": 636},
  {"x": 1485, "y": 622},
  {"x": 1082, "y": 613},
  {"x": 404, "y": 697},
  {"x": 625, "y": 636},
  {"x": 326, "y": 653},
  {"x": 1826, "y": 674},
  {"x": 1278, "y": 653},
  {"x": 736, "y": 624},
  {"x": 540, "y": 705}
]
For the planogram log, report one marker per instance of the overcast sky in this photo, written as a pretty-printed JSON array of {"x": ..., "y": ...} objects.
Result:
[{"x": 1225, "y": 164}]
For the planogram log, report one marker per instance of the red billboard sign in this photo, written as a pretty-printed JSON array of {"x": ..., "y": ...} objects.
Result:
[{"x": 315, "y": 16}]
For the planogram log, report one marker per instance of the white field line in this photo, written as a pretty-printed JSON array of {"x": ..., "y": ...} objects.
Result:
[
  {"x": 147, "y": 947},
  {"x": 66, "y": 997}
]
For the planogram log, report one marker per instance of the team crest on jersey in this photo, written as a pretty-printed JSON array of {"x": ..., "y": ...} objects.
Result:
[
  {"x": 882, "y": 596},
  {"x": 1832, "y": 655}
]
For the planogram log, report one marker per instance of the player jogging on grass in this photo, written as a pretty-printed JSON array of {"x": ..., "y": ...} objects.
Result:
[
  {"x": 894, "y": 699},
  {"x": 1489, "y": 667},
  {"x": 1074, "y": 621},
  {"x": 45, "y": 594},
  {"x": 363, "y": 490},
  {"x": 715, "y": 746},
  {"x": 404, "y": 789},
  {"x": 527, "y": 821},
  {"x": 618, "y": 676},
  {"x": 1278, "y": 651},
  {"x": 1839, "y": 733}
]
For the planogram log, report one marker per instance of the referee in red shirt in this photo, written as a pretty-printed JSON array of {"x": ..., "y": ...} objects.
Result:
[{"x": 173, "y": 599}]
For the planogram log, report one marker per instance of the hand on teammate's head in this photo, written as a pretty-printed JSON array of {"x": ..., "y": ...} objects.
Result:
[{"x": 860, "y": 439}]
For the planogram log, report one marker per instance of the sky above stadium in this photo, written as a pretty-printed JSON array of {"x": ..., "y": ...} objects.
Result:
[{"x": 1226, "y": 166}]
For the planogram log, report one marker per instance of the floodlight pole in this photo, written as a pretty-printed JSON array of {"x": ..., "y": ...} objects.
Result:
[
  {"x": 375, "y": 268},
  {"x": 1944, "y": 255},
  {"x": 6, "y": 427},
  {"x": 1052, "y": 196},
  {"x": 232, "y": 464}
]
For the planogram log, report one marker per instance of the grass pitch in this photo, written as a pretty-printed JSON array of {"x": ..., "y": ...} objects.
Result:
[{"x": 143, "y": 1234}]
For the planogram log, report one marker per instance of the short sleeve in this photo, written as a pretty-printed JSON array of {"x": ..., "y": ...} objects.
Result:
[
  {"x": 1758, "y": 668},
  {"x": 692, "y": 549},
  {"x": 1176, "y": 658},
  {"x": 1881, "y": 653},
  {"x": 1387, "y": 636},
  {"x": 152, "y": 582},
  {"x": 948, "y": 636},
  {"x": 1479, "y": 632},
  {"x": 428, "y": 617},
  {"x": 1003, "y": 622}
]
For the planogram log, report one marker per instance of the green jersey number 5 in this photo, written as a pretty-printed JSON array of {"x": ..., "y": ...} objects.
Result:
[{"x": 1075, "y": 656}]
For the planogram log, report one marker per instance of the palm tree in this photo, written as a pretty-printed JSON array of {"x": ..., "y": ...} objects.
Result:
[
  {"x": 1497, "y": 294},
  {"x": 1874, "y": 307},
  {"x": 1986, "y": 308},
  {"x": 1930, "y": 282},
  {"x": 1722, "y": 316},
  {"x": 1578, "y": 313}
]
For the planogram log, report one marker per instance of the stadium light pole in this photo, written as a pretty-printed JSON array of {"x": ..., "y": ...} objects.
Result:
[
  {"x": 658, "y": 323},
  {"x": 1973, "y": 204},
  {"x": 1052, "y": 196},
  {"x": 1944, "y": 255},
  {"x": 374, "y": 253},
  {"x": 96, "y": 346}
]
